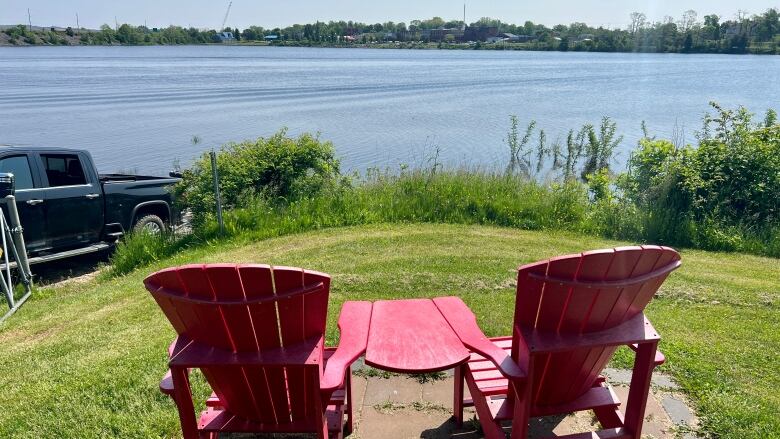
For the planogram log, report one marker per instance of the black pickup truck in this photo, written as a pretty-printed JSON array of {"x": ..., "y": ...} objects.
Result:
[{"x": 66, "y": 207}]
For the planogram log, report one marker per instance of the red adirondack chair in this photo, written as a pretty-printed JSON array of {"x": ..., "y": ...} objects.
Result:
[
  {"x": 571, "y": 314},
  {"x": 256, "y": 333}
]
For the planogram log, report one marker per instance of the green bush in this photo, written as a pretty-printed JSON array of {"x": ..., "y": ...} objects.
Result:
[
  {"x": 723, "y": 194},
  {"x": 275, "y": 168}
]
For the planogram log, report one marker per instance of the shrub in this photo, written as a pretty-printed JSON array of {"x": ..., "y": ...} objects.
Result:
[
  {"x": 275, "y": 168},
  {"x": 722, "y": 195}
]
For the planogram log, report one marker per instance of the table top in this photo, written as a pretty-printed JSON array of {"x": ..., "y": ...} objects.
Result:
[{"x": 412, "y": 336}]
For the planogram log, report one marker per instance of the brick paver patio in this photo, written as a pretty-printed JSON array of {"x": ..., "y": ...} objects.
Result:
[
  {"x": 401, "y": 406},
  {"x": 390, "y": 406}
]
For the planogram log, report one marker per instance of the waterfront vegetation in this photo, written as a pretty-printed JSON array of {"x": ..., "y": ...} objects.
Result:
[
  {"x": 758, "y": 34},
  {"x": 723, "y": 194},
  {"x": 100, "y": 345}
]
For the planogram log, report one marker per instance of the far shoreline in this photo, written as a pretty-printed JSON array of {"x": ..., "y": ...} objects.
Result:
[{"x": 496, "y": 47}]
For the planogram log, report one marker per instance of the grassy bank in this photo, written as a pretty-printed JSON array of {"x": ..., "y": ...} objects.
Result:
[
  {"x": 84, "y": 359},
  {"x": 452, "y": 197}
]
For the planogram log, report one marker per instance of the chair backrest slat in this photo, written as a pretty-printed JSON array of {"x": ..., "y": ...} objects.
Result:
[
  {"x": 258, "y": 283},
  {"x": 283, "y": 307},
  {"x": 584, "y": 293}
]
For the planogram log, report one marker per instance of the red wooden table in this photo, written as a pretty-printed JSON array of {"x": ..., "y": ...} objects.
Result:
[{"x": 412, "y": 336}]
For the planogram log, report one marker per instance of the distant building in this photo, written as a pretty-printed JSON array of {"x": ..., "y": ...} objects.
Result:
[
  {"x": 512, "y": 38},
  {"x": 441, "y": 34},
  {"x": 496, "y": 39},
  {"x": 479, "y": 33},
  {"x": 226, "y": 37},
  {"x": 461, "y": 34},
  {"x": 271, "y": 37},
  {"x": 408, "y": 35}
]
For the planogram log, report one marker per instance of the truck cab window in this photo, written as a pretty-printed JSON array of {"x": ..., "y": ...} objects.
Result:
[
  {"x": 63, "y": 169},
  {"x": 20, "y": 167}
]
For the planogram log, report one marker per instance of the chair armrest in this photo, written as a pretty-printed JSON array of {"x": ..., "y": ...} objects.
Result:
[
  {"x": 660, "y": 358},
  {"x": 191, "y": 354},
  {"x": 166, "y": 384},
  {"x": 463, "y": 322},
  {"x": 354, "y": 321}
]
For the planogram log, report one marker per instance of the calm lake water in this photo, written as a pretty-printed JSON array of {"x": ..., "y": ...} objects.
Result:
[{"x": 137, "y": 108}]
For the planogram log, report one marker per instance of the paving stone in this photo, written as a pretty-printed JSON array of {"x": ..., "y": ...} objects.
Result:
[
  {"x": 397, "y": 389},
  {"x": 623, "y": 376},
  {"x": 663, "y": 380},
  {"x": 359, "y": 385},
  {"x": 410, "y": 423},
  {"x": 439, "y": 392},
  {"x": 401, "y": 407},
  {"x": 360, "y": 363},
  {"x": 618, "y": 376},
  {"x": 622, "y": 393},
  {"x": 678, "y": 411},
  {"x": 657, "y": 422}
]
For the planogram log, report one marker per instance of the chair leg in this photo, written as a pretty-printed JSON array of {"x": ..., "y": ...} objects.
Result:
[
  {"x": 348, "y": 385},
  {"x": 490, "y": 428},
  {"x": 640, "y": 388},
  {"x": 457, "y": 406},
  {"x": 521, "y": 412},
  {"x": 183, "y": 397}
]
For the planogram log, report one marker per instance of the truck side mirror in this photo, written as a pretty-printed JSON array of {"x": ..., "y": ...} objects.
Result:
[{"x": 7, "y": 185}]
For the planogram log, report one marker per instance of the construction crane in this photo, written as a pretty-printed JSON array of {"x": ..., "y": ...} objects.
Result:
[{"x": 224, "y": 20}]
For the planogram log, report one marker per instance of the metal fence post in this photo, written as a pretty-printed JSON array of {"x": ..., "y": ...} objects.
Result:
[
  {"x": 16, "y": 231},
  {"x": 217, "y": 196}
]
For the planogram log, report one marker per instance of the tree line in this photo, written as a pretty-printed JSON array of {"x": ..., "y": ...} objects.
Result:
[{"x": 758, "y": 33}]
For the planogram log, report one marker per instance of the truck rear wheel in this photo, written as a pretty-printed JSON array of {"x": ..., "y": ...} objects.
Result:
[{"x": 150, "y": 224}]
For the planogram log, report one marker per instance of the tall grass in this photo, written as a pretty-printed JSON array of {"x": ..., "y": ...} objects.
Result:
[
  {"x": 455, "y": 196},
  {"x": 460, "y": 197}
]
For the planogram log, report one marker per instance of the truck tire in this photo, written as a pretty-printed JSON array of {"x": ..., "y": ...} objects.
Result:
[{"x": 149, "y": 223}]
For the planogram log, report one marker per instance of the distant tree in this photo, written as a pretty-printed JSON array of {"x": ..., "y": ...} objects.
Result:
[
  {"x": 711, "y": 29},
  {"x": 638, "y": 22},
  {"x": 688, "y": 20},
  {"x": 688, "y": 43},
  {"x": 768, "y": 25},
  {"x": 107, "y": 34}
]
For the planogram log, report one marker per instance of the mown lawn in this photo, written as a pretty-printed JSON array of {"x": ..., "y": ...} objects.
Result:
[{"x": 84, "y": 360}]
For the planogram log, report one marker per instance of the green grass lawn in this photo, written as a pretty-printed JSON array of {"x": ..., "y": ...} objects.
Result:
[{"x": 84, "y": 360}]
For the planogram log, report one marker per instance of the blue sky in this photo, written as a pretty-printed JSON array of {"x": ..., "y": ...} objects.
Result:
[{"x": 209, "y": 13}]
